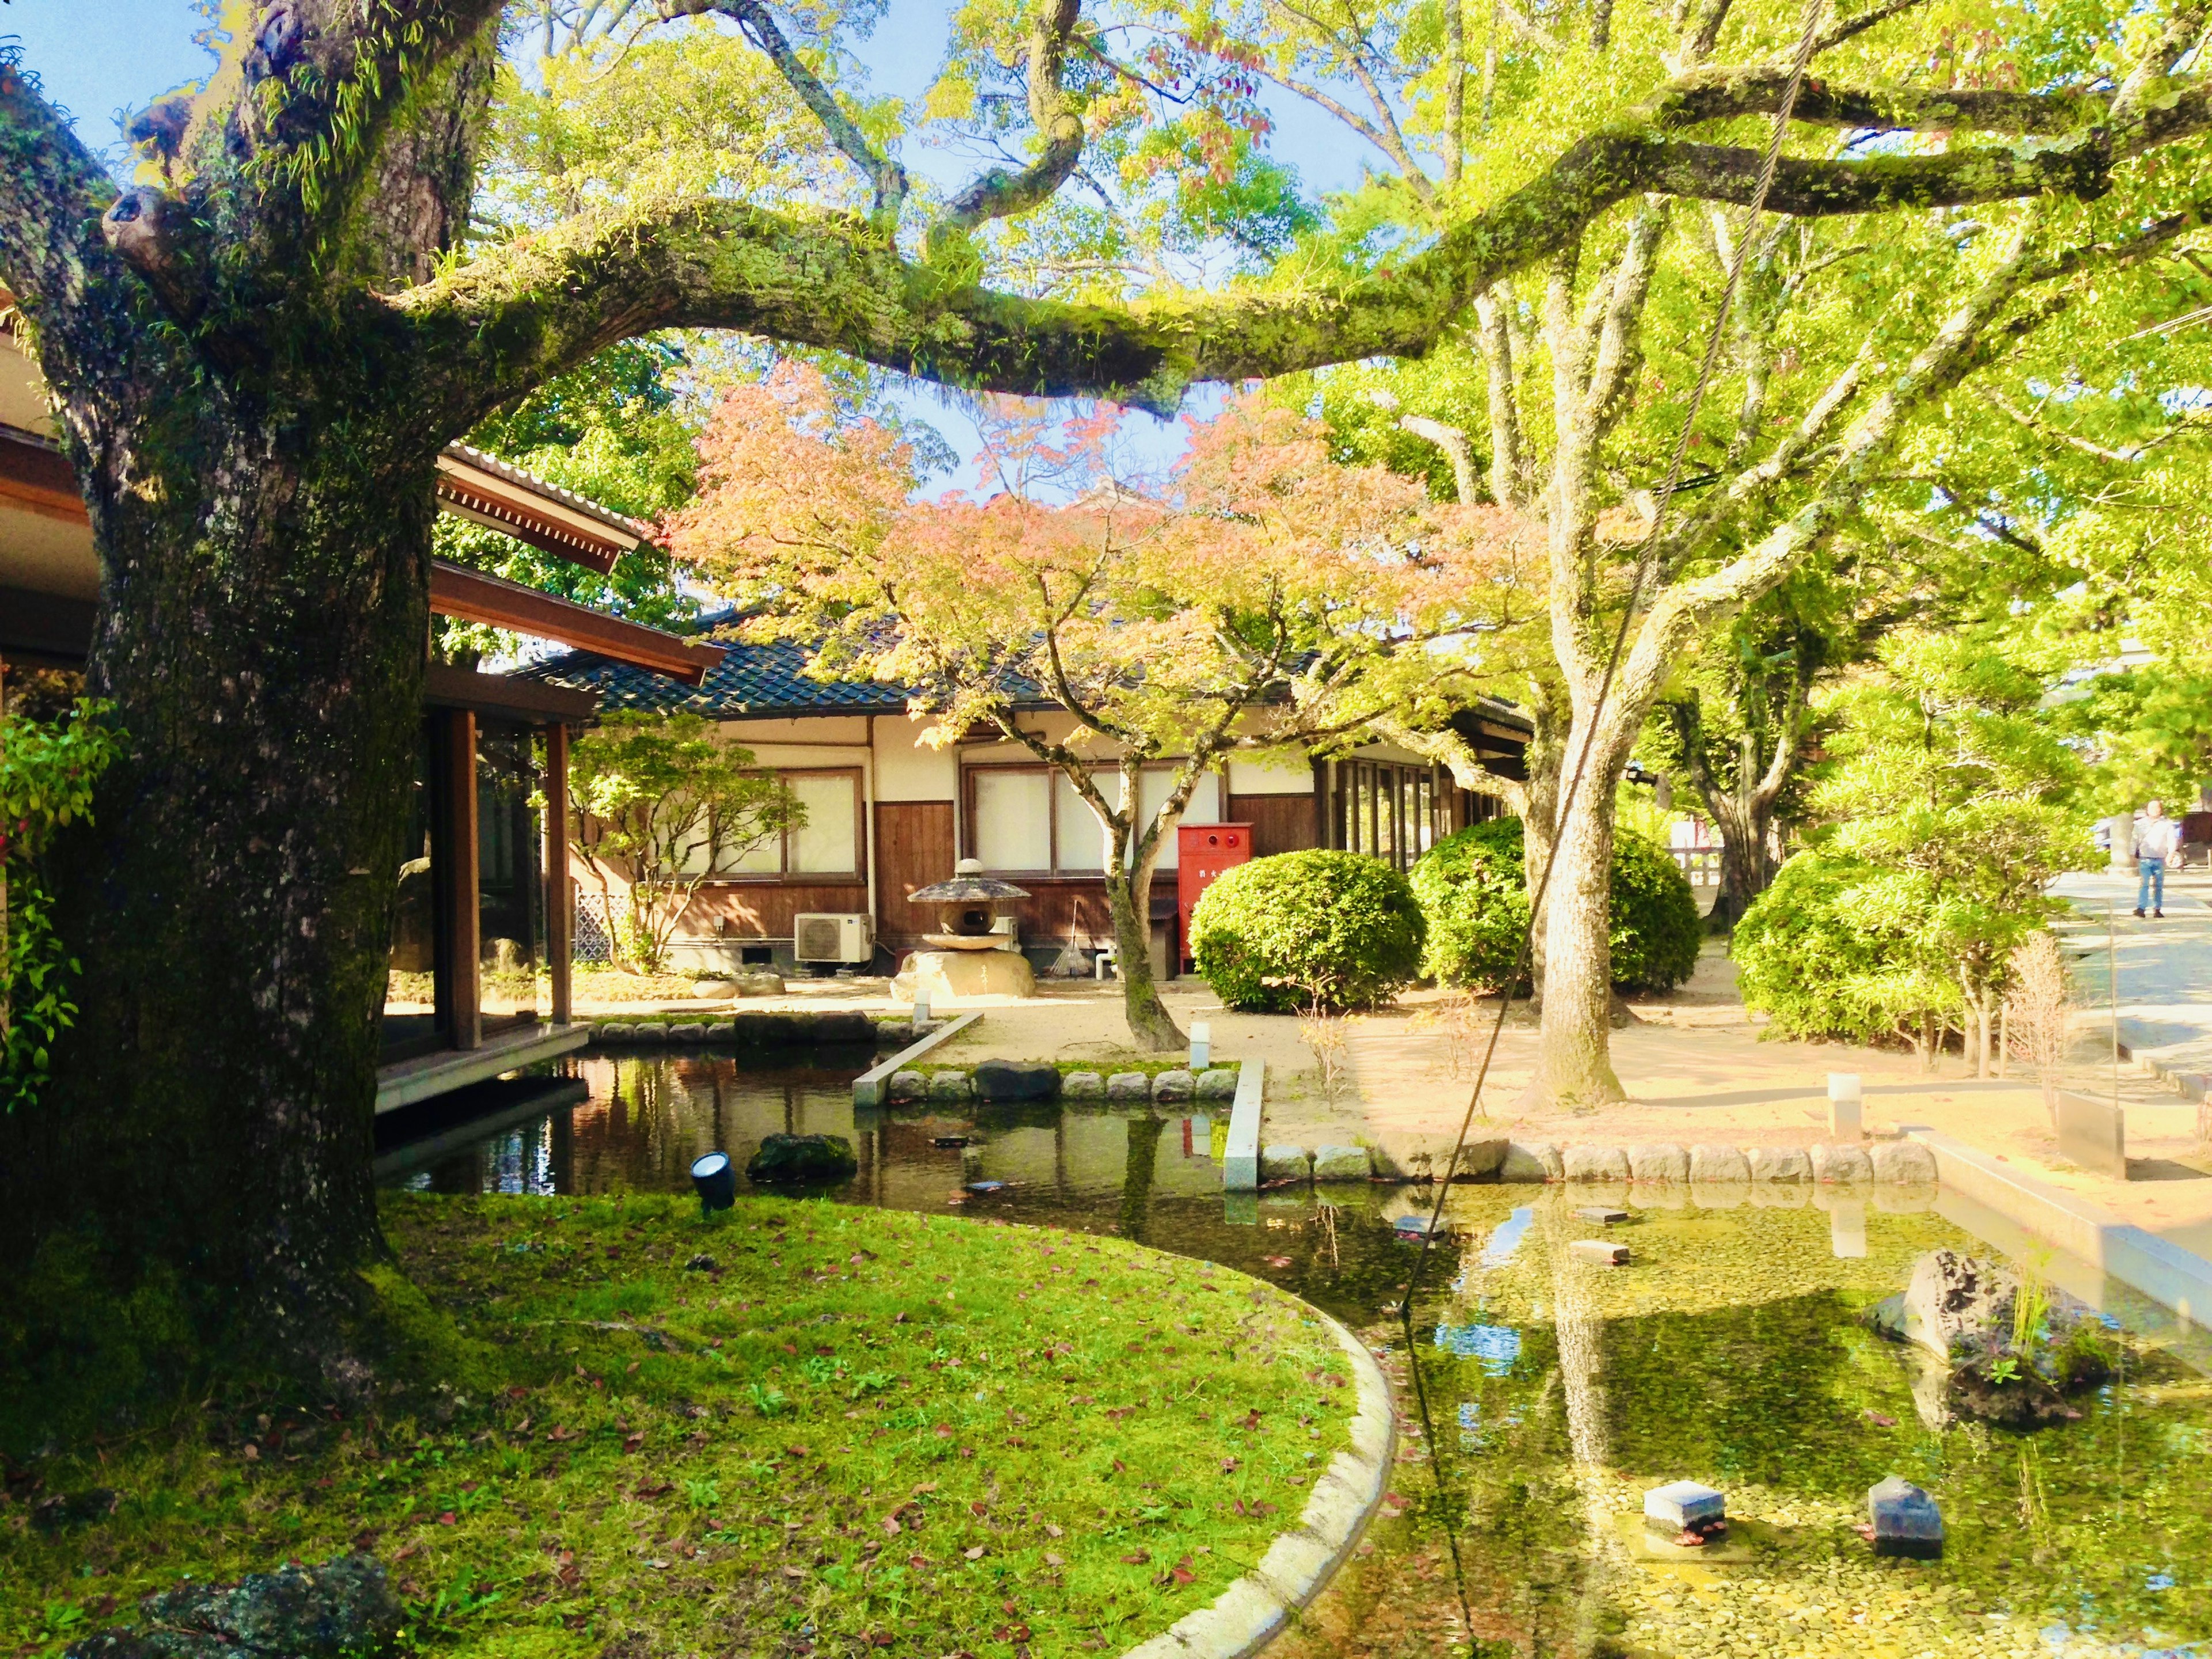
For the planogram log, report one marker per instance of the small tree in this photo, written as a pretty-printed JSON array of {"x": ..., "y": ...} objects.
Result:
[
  {"x": 2040, "y": 1007},
  {"x": 1955, "y": 796},
  {"x": 1261, "y": 599},
  {"x": 657, "y": 803}
]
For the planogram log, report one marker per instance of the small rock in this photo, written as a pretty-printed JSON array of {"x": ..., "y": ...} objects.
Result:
[
  {"x": 1778, "y": 1164},
  {"x": 1902, "y": 1161},
  {"x": 1956, "y": 1300},
  {"x": 722, "y": 1030},
  {"x": 1282, "y": 1162},
  {"x": 710, "y": 990},
  {"x": 1128, "y": 1085},
  {"x": 848, "y": 1026},
  {"x": 1340, "y": 1163},
  {"x": 1603, "y": 1214},
  {"x": 802, "y": 1160},
  {"x": 649, "y": 1032},
  {"x": 762, "y": 984},
  {"x": 343, "y": 1606},
  {"x": 1532, "y": 1163},
  {"x": 1217, "y": 1083},
  {"x": 762, "y": 1030},
  {"x": 1837, "y": 1164},
  {"x": 907, "y": 1086},
  {"x": 1709, "y": 1163},
  {"x": 948, "y": 1086},
  {"x": 690, "y": 1031},
  {"x": 1658, "y": 1161},
  {"x": 1904, "y": 1520},
  {"x": 898, "y": 1033},
  {"x": 1594, "y": 1164},
  {"x": 1083, "y": 1085},
  {"x": 1177, "y": 1084},
  {"x": 612, "y": 1031},
  {"x": 1683, "y": 1506},
  {"x": 1006, "y": 1079},
  {"x": 702, "y": 1263},
  {"x": 1599, "y": 1252},
  {"x": 1481, "y": 1157}
]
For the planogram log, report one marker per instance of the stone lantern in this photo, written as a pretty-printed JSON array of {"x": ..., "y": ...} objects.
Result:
[
  {"x": 967, "y": 908},
  {"x": 966, "y": 956}
]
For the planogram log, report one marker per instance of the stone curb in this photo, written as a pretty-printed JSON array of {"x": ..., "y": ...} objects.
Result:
[
  {"x": 1299, "y": 1564},
  {"x": 869, "y": 1088},
  {"x": 1666, "y": 1163}
]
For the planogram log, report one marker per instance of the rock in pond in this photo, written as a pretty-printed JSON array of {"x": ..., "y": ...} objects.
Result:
[
  {"x": 612, "y": 1031},
  {"x": 1718, "y": 1163},
  {"x": 1832, "y": 1165},
  {"x": 948, "y": 1086},
  {"x": 1528, "y": 1164},
  {"x": 691, "y": 1030},
  {"x": 1956, "y": 1300},
  {"x": 1904, "y": 1520},
  {"x": 1902, "y": 1161},
  {"x": 907, "y": 1086},
  {"x": 343, "y": 1607},
  {"x": 1779, "y": 1163},
  {"x": 802, "y": 1160},
  {"x": 1008, "y": 1079},
  {"x": 1283, "y": 1162},
  {"x": 1217, "y": 1083},
  {"x": 1176, "y": 1085},
  {"x": 1128, "y": 1085},
  {"x": 1660, "y": 1160},
  {"x": 1594, "y": 1164},
  {"x": 1083, "y": 1085},
  {"x": 1340, "y": 1163}
]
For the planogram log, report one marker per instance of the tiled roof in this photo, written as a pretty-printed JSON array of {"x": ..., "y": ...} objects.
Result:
[
  {"x": 757, "y": 681},
  {"x": 752, "y": 681}
]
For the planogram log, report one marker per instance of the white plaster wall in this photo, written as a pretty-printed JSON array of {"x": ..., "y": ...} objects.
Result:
[
  {"x": 1253, "y": 777},
  {"x": 906, "y": 768}
]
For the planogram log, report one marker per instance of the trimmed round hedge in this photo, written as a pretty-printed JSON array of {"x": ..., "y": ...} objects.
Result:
[
  {"x": 1825, "y": 951},
  {"x": 1475, "y": 900},
  {"x": 1272, "y": 935}
]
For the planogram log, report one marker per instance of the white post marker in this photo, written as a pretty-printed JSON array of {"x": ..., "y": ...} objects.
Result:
[
  {"x": 1201, "y": 1045},
  {"x": 920, "y": 1008},
  {"x": 1845, "y": 1121}
]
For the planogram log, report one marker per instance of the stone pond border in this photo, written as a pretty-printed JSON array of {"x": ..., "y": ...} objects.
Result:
[
  {"x": 1299, "y": 1564},
  {"x": 868, "y": 1087}
]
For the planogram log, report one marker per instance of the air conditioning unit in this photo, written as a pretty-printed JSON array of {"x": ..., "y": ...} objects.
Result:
[{"x": 820, "y": 937}]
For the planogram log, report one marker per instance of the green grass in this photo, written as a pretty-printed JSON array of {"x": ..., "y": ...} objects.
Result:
[{"x": 858, "y": 1430}]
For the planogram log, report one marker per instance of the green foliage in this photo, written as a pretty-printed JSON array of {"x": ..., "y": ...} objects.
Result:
[
  {"x": 1474, "y": 898},
  {"x": 1951, "y": 807},
  {"x": 47, "y": 773},
  {"x": 1280, "y": 933},
  {"x": 658, "y": 803},
  {"x": 2153, "y": 728}
]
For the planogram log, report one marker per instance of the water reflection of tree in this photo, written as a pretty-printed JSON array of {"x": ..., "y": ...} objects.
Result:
[{"x": 1137, "y": 1174}]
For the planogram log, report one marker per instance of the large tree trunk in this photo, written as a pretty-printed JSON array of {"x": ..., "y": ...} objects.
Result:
[
  {"x": 261, "y": 635},
  {"x": 1574, "y": 1066},
  {"x": 1129, "y": 901}
]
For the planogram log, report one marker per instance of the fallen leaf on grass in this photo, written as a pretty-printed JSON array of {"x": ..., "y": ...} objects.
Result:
[
  {"x": 1138, "y": 1558},
  {"x": 917, "y": 1560},
  {"x": 789, "y": 1572},
  {"x": 891, "y": 1526},
  {"x": 659, "y": 1490},
  {"x": 1229, "y": 1466},
  {"x": 975, "y": 1552},
  {"x": 633, "y": 1443},
  {"x": 449, "y": 1519},
  {"x": 560, "y": 1431},
  {"x": 1053, "y": 1560},
  {"x": 1881, "y": 1420},
  {"x": 1278, "y": 1261},
  {"x": 1051, "y": 1531}
]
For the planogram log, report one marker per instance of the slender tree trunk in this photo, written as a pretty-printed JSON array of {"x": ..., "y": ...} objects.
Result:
[
  {"x": 1129, "y": 901},
  {"x": 262, "y": 634},
  {"x": 1574, "y": 1064}
]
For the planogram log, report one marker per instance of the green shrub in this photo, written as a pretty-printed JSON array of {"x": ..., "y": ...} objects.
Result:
[
  {"x": 1828, "y": 951},
  {"x": 1274, "y": 934},
  {"x": 1475, "y": 900}
]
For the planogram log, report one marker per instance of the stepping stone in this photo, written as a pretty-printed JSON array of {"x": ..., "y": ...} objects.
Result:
[
  {"x": 1683, "y": 1506},
  {"x": 1602, "y": 1214},
  {"x": 1905, "y": 1521},
  {"x": 1599, "y": 1253}
]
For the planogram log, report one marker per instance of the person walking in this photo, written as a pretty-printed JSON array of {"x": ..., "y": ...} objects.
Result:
[{"x": 2156, "y": 837}]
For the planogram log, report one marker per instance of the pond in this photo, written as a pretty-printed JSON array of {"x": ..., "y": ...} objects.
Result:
[{"x": 1541, "y": 1397}]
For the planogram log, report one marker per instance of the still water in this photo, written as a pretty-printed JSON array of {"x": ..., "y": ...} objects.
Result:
[{"x": 1541, "y": 1397}]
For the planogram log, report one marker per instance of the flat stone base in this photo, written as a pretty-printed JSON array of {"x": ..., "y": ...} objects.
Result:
[{"x": 947, "y": 976}]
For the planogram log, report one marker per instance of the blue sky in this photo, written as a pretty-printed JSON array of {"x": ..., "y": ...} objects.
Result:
[{"x": 97, "y": 59}]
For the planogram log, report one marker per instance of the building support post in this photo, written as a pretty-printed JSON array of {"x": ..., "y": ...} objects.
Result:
[
  {"x": 560, "y": 899},
  {"x": 464, "y": 971}
]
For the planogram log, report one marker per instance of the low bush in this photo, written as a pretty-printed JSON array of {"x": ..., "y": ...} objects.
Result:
[
  {"x": 1474, "y": 900},
  {"x": 1278, "y": 933},
  {"x": 1827, "y": 951}
]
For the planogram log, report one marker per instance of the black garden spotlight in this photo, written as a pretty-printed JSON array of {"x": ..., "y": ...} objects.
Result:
[{"x": 716, "y": 1181}]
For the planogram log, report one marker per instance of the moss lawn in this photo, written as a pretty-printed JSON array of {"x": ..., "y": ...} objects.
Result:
[{"x": 796, "y": 1428}]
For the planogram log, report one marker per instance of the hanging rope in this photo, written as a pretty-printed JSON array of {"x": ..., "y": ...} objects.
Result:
[{"x": 1807, "y": 41}]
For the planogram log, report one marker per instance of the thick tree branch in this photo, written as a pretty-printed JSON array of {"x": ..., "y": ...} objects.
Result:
[
  {"x": 52, "y": 193},
  {"x": 1452, "y": 751},
  {"x": 1000, "y": 194},
  {"x": 539, "y": 304},
  {"x": 1454, "y": 443}
]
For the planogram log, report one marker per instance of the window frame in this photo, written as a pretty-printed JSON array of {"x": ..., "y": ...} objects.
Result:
[
  {"x": 784, "y": 875},
  {"x": 1051, "y": 774},
  {"x": 1376, "y": 808}
]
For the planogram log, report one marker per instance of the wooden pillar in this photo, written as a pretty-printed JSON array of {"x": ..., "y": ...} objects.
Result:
[
  {"x": 560, "y": 899},
  {"x": 464, "y": 971}
]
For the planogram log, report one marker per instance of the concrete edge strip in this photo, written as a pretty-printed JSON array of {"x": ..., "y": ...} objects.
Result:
[
  {"x": 2174, "y": 1277},
  {"x": 1240, "y": 1156},
  {"x": 1299, "y": 1564},
  {"x": 2189, "y": 1086},
  {"x": 868, "y": 1087}
]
